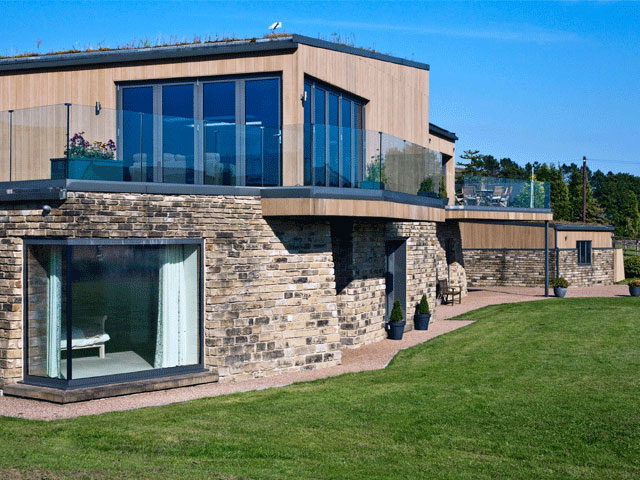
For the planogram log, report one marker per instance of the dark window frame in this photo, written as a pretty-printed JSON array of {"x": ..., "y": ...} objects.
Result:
[
  {"x": 68, "y": 384},
  {"x": 198, "y": 109},
  {"x": 584, "y": 251}
]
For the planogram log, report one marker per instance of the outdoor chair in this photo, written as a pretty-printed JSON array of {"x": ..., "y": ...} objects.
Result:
[
  {"x": 471, "y": 197},
  {"x": 497, "y": 195},
  {"x": 447, "y": 292}
]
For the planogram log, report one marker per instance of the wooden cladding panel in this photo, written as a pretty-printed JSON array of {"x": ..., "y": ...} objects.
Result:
[
  {"x": 568, "y": 239},
  {"x": 503, "y": 235},
  {"x": 524, "y": 215},
  {"x": 349, "y": 208}
]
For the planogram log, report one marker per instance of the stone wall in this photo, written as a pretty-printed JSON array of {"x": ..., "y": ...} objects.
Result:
[
  {"x": 362, "y": 300},
  {"x": 10, "y": 308},
  {"x": 451, "y": 268},
  {"x": 280, "y": 294},
  {"x": 600, "y": 272},
  {"x": 270, "y": 303},
  {"x": 525, "y": 268}
]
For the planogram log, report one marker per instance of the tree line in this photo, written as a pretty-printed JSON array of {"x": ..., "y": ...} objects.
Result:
[{"x": 612, "y": 198}]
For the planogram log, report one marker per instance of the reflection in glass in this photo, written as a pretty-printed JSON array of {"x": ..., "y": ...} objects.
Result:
[
  {"x": 137, "y": 133},
  {"x": 319, "y": 137},
  {"x": 46, "y": 311},
  {"x": 308, "y": 140},
  {"x": 262, "y": 117},
  {"x": 345, "y": 136},
  {"x": 133, "y": 308},
  {"x": 177, "y": 134},
  {"x": 333, "y": 141},
  {"x": 220, "y": 133}
]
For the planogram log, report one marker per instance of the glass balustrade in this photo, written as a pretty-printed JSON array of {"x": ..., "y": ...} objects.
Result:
[
  {"x": 502, "y": 192},
  {"x": 93, "y": 143}
]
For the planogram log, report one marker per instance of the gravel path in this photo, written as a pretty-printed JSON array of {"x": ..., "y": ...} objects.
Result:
[{"x": 370, "y": 357}]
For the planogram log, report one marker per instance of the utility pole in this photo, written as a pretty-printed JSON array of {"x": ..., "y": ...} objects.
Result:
[{"x": 584, "y": 189}]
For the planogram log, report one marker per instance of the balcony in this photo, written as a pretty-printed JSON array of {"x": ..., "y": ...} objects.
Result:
[
  {"x": 500, "y": 199},
  {"x": 324, "y": 164}
]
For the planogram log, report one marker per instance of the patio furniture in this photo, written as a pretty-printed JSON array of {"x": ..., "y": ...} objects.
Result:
[
  {"x": 93, "y": 336},
  {"x": 497, "y": 195},
  {"x": 471, "y": 197},
  {"x": 447, "y": 291}
]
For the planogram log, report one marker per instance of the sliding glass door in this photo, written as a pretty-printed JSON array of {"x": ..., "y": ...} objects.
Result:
[
  {"x": 104, "y": 310},
  {"x": 209, "y": 131}
]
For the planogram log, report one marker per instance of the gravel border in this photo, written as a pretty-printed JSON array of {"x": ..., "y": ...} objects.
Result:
[{"x": 374, "y": 356}]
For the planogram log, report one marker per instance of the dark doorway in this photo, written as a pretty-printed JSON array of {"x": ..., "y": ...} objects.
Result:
[{"x": 396, "y": 278}]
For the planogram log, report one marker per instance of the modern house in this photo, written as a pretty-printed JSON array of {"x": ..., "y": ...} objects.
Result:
[{"x": 212, "y": 212}]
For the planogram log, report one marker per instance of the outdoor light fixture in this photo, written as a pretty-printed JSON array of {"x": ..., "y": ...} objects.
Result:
[
  {"x": 46, "y": 210},
  {"x": 98, "y": 108}
]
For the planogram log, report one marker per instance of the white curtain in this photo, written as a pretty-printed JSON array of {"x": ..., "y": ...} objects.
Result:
[
  {"x": 54, "y": 312},
  {"x": 177, "y": 338}
]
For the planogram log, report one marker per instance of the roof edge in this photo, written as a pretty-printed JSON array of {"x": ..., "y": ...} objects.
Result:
[
  {"x": 362, "y": 52},
  {"x": 442, "y": 133},
  {"x": 146, "y": 54},
  {"x": 232, "y": 47}
]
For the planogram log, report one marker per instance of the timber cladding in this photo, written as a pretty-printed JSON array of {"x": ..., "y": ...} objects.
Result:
[
  {"x": 493, "y": 235},
  {"x": 397, "y": 98}
]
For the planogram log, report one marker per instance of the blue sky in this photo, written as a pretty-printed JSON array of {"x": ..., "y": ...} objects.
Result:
[{"x": 545, "y": 82}]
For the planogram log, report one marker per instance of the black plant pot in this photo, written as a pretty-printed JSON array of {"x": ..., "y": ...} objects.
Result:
[
  {"x": 395, "y": 330},
  {"x": 559, "y": 292},
  {"x": 634, "y": 291},
  {"x": 422, "y": 321}
]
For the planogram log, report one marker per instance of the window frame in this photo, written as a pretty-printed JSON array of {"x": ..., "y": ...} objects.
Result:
[
  {"x": 198, "y": 109},
  {"x": 354, "y": 101},
  {"x": 70, "y": 383},
  {"x": 584, "y": 251}
]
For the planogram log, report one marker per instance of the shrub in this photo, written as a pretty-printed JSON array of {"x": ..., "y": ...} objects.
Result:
[
  {"x": 443, "y": 188},
  {"x": 426, "y": 185},
  {"x": 635, "y": 282},
  {"x": 632, "y": 267},
  {"x": 396, "y": 312},
  {"x": 423, "y": 306},
  {"x": 559, "y": 282}
]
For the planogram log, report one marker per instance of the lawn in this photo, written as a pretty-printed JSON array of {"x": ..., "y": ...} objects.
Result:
[{"x": 546, "y": 389}]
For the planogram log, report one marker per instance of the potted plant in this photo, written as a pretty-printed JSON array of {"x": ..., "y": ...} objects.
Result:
[
  {"x": 423, "y": 315},
  {"x": 634, "y": 287},
  {"x": 426, "y": 188},
  {"x": 395, "y": 327},
  {"x": 559, "y": 286}
]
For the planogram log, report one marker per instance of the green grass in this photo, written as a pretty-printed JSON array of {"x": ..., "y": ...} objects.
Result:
[{"x": 546, "y": 389}]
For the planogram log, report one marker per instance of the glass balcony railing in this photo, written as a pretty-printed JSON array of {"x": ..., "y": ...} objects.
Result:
[
  {"x": 502, "y": 192},
  {"x": 92, "y": 143}
]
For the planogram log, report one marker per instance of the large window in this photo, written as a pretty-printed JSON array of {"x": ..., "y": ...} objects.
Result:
[
  {"x": 206, "y": 131},
  {"x": 584, "y": 252},
  {"x": 333, "y": 137},
  {"x": 100, "y": 311}
]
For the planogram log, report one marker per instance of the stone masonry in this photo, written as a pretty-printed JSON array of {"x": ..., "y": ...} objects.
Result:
[
  {"x": 500, "y": 267},
  {"x": 270, "y": 301},
  {"x": 280, "y": 294}
]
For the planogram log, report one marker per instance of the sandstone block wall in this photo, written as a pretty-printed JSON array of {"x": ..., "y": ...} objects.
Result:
[
  {"x": 525, "y": 268},
  {"x": 600, "y": 272},
  {"x": 270, "y": 301}
]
